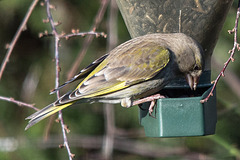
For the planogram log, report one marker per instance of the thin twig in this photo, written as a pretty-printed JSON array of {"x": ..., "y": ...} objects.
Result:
[
  {"x": 58, "y": 37},
  {"x": 232, "y": 52},
  {"x": 180, "y": 21},
  {"x": 109, "y": 117},
  {"x": 73, "y": 34},
  {"x": 232, "y": 80},
  {"x": 88, "y": 40},
  {"x": 57, "y": 70},
  {"x": 16, "y": 36},
  {"x": 82, "y": 34},
  {"x": 19, "y": 102},
  {"x": 65, "y": 139}
]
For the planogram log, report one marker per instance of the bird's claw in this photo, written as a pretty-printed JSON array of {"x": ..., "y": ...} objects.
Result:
[
  {"x": 151, "y": 99},
  {"x": 150, "y": 110}
]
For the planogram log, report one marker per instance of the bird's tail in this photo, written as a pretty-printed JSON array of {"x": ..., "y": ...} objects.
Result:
[{"x": 44, "y": 113}]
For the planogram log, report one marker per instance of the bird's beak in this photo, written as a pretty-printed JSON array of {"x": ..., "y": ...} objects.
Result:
[{"x": 192, "y": 81}]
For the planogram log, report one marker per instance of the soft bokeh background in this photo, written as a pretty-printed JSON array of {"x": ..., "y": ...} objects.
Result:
[{"x": 30, "y": 75}]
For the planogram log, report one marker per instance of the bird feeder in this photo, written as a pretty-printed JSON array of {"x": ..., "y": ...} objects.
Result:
[{"x": 181, "y": 113}]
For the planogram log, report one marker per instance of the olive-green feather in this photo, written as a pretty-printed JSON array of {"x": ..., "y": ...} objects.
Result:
[
  {"x": 131, "y": 67},
  {"x": 83, "y": 73},
  {"x": 134, "y": 69}
]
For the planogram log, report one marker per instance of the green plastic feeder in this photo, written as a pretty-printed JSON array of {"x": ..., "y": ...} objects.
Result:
[{"x": 178, "y": 117}]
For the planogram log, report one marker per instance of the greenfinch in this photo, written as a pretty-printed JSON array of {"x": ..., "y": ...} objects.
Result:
[{"x": 133, "y": 70}]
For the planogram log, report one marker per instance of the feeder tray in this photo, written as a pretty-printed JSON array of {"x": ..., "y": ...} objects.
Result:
[{"x": 180, "y": 117}]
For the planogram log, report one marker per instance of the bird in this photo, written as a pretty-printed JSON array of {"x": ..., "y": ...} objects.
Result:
[{"x": 132, "y": 71}]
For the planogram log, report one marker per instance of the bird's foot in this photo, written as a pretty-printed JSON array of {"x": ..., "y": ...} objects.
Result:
[
  {"x": 151, "y": 99},
  {"x": 151, "y": 107}
]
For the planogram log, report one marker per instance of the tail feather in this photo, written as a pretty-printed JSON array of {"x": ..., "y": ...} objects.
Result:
[
  {"x": 44, "y": 113},
  {"x": 39, "y": 112}
]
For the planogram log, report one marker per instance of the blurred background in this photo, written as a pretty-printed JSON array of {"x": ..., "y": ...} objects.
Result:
[{"x": 30, "y": 75}]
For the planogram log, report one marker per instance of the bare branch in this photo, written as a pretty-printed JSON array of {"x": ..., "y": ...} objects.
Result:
[
  {"x": 57, "y": 38},
  {"x": 21, "y": 28},
  {"x": 73, "y": 34},
  {"x": 232, "y": 79},
  {"x": 65, "y": 139},
  {"x": 89, "y": 38},
  {"x": 57, "y": 70},
  {"x": 109, "y": 117},
  {"x": 82, "y": 34},
  {"x": 18, "y": 102},
  {"x": 232, "y": 52}
]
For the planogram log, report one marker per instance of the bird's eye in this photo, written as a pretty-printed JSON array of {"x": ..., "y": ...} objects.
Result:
[{"x": 196, "y": 68}]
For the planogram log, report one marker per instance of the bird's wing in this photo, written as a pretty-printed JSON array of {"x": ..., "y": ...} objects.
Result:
[
  {"x": 119, "y": 71},
  {"x": 83, "y": 73}
]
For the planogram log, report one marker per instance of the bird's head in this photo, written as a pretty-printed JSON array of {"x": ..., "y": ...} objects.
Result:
[
  {"x": 190, "y": 60},
  {"x": 195, "y": 64},
  {"x": 193, "y": 76}
]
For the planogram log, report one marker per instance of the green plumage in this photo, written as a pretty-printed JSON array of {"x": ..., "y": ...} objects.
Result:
[{"x": 134, "y": 69}]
